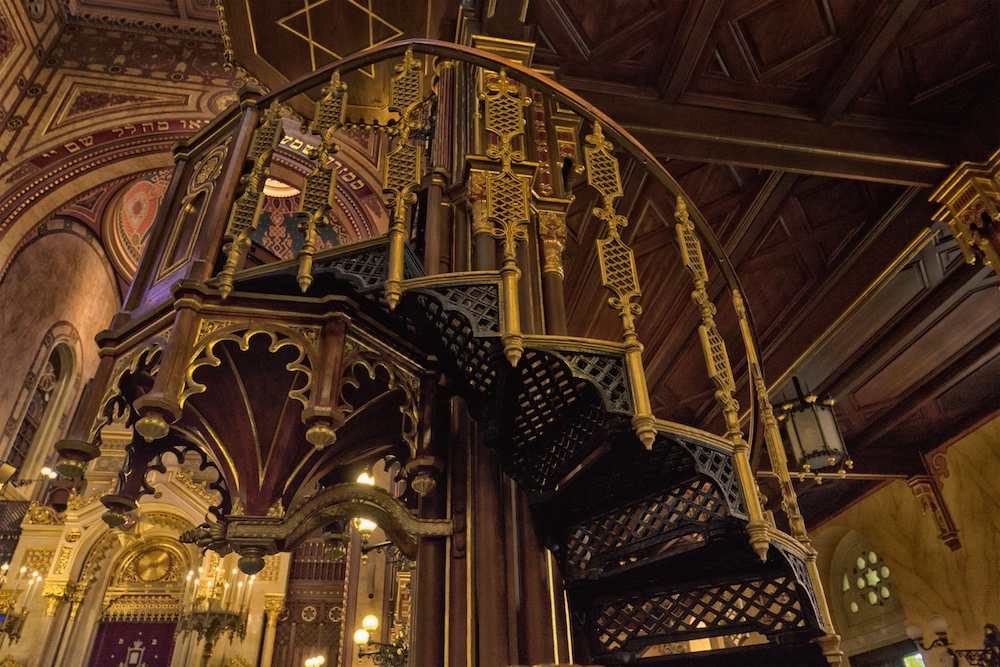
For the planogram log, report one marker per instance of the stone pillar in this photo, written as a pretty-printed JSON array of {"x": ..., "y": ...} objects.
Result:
[{"x": 274, "y": 604}]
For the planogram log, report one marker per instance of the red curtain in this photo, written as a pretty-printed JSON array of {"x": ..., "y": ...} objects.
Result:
[{"x": 133, "y": 645}]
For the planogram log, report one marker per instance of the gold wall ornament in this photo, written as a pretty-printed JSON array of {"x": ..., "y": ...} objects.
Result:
[
  {"x": 200, "y": 489},
  {"x": 402, "y": 167},
  {"x": 63, "y": 562},
  {"x": 37, "y": 560},
  {"x": 619, "y": 275},
  {"x": 721, "y": 373},
  {"x": 971, "y": 208},
  {"x": 246, "y": 209},
  {"x": 42, "y": 515},
  {"x": 319, "y": 190}
]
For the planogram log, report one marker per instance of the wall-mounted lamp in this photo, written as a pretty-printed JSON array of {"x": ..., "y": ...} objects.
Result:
[
  {"x": 382, "y": 654},
  {"x": 988, "y": 656},
  {"x": 47, "y": 474}
]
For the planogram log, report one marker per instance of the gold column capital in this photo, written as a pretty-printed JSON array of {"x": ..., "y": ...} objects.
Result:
[
  {"x": 274, "y": 606},
  {"x": 552, "y": 231},
  {"x": 57, "y": 590}
]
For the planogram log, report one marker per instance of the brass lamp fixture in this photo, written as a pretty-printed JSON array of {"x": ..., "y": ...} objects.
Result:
[
  {"x": 214, "y": 605},
  {"x": 812, "y": 429},
  {"x": 988, "y": 656},
  {"x": 13, "y": 619},
  {"x": 381, "y": 654},
  {"x": 47, "y": 474}
]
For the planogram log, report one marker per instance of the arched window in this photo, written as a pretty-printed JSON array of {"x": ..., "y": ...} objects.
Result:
[
  {"x": 47, "y": 382},
  {"x": 42, "y": 408},
  {"x": 868, "y": 612}
]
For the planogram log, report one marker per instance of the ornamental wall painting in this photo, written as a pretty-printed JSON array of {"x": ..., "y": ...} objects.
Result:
[{"x": 130, "y": 218}]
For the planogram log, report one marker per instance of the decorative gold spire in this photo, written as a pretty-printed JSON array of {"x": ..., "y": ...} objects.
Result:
[{"x": 618, "y": 273}]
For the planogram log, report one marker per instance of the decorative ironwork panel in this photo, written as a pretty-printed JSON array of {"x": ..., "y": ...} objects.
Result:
[
  {"x": 719, "y": 466},
  {"x": 608, "y": 373},
  {"x": 767, "y": 605},
  {"x": 630, "y": 473},
  {"x": 331, "y": 109},
  {"x": 473, "y": 356},
  {"x": 479, "y": 303},
  {"x": 801, "y": 570},
  {"x": 265, "y": 140},
  {"x": 539, "y": 467},
  {"x": 688, "y": 506},
  {"x": 366, "y": 269}
]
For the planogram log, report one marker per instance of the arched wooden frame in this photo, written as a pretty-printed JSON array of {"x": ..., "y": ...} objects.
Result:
[{"x": 61, "y": 341}]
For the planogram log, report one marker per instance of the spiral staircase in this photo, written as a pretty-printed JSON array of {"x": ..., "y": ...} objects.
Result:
[{"x": 657, "y": 527}]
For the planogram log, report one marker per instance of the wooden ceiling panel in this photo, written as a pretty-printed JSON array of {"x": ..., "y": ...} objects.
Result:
[{"x": 940, "y": 67}]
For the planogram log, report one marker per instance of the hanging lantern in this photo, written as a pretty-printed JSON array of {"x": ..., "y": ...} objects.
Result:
[{"x": 812, "y": 429}]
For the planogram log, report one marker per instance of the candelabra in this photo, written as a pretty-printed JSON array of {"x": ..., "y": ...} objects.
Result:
[
  {"x": 382, "y": 654},
  {"x": 988, "y": 656},
  {"x": 213, "y": 606},
  {"x": 13, "y": 619}
]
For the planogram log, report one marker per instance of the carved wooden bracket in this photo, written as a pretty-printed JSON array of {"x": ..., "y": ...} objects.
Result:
[{"x": 926, "y": 488}]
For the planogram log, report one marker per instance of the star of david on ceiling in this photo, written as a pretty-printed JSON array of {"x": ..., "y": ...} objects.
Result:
[{"x": 317, "y": 22}]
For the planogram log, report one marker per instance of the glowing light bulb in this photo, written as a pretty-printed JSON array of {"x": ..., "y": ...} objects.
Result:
[{"x": 370, "y": 622}]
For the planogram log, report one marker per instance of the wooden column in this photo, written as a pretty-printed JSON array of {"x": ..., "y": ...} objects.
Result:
[
  {"x": 552, "y": 237},
  {"x": 430, "y": 604}
]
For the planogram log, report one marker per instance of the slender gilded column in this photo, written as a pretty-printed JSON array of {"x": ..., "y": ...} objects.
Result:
[
  {"x": 484, "y": 256},
  {"x": 552, "y": 233},
  {"x": 274, "y": 604}
]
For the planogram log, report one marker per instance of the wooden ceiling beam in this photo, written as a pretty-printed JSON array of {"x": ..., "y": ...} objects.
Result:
[
  {"x": 699, "y": 20},
  {"x": 862, "y": 60},
  {"x": 888, "y": 155}
]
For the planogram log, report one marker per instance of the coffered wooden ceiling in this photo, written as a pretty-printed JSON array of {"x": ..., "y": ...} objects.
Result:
[{"x": 810, "y": 133}]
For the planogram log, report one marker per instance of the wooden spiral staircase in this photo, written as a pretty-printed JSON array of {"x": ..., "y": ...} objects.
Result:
[{"x": 657, "y": 527}]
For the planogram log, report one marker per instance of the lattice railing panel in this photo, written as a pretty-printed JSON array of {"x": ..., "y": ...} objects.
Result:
[
  {"x": 608, "y": 373},
  {"x": 801, "y": 570},
  {"x": 691, "y": 505},
  {"x": 367, "y": 268},
  {"x": 767, "y": 605},
  {"x": 480, "y": 303},
  {"x": 630, "y": 474},
  {"x": 549, "y": 390},
  {"x": 719, "y": 466},
  {"x": 472, "y": 355},
  {"x": 538, "y": 467}
]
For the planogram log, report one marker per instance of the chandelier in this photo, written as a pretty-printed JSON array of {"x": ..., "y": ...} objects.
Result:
[{"x": 215, "y": 605}]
